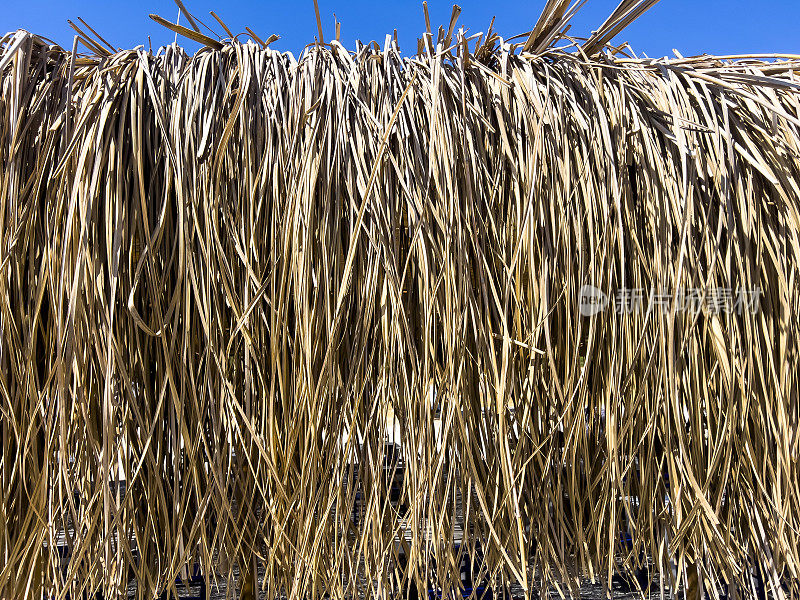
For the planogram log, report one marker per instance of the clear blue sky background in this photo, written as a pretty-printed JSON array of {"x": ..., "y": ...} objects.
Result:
[{"x": 692, "y": 27}]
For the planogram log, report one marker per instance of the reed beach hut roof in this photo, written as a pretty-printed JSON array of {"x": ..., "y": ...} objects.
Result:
[{"x": 564, "y": 277}]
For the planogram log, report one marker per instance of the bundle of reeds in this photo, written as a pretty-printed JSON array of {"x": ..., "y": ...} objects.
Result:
[{"x": 322, "y": 322}]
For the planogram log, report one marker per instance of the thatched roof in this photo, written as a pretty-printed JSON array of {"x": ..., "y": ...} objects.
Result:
[{"x": 224, "y": 277}]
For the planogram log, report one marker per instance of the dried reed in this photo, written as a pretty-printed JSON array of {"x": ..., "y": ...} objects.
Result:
[{"x": 226, "y": 278}]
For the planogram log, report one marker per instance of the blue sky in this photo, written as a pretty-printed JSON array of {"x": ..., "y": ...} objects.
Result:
[{"x": 691, "y": 27}]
